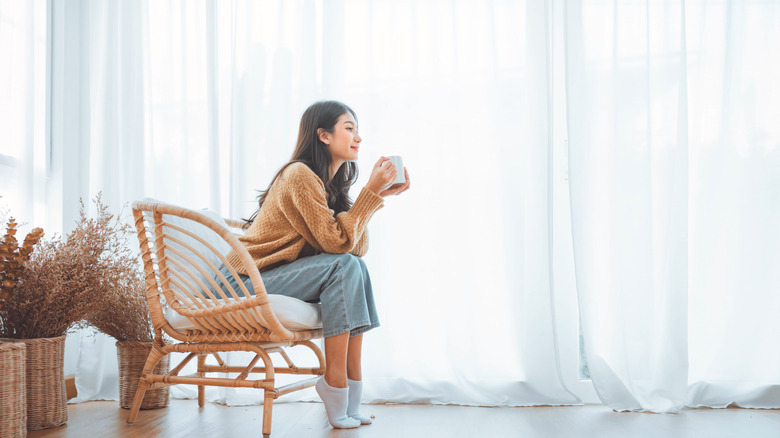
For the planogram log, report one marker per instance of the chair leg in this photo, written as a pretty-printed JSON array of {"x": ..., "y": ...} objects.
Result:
[
  {"x": 151, "y": 361},
  {"x": 201, "y": 388},
  {"x": 268, "y": 405},
  {"x": 138, "y": 398}
]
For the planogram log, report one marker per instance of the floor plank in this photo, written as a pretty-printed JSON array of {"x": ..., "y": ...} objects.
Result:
[{"x": 183, "y": 418}]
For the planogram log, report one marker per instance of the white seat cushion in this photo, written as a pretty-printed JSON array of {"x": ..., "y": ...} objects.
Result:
[{"x": 293, "y": 313}]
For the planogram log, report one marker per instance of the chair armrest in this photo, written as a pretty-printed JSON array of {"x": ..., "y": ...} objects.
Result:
[
  {"x": 243, "y": 303},
  {"x": 234, "y": 223}
]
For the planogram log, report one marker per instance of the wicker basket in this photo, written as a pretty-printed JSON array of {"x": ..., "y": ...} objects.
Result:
[
  {"x": 13, "y": 399},
  {"x": 47, "y": 401},
  {"x": 132, "y": 358}
]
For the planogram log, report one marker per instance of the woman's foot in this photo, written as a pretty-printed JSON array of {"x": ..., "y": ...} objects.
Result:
[
  {"x": 336, "y": 401},
  {"x": 355, "y": 394}
]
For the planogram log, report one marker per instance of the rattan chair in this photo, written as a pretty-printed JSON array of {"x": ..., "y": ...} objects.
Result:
[{"x": 174, "y": 268}]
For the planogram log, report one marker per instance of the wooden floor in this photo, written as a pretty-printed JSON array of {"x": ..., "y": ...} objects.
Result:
[{"x": 183, "y": 418}]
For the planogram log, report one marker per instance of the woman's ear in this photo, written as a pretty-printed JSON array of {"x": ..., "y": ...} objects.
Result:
[{"x": 323, "y": 135}]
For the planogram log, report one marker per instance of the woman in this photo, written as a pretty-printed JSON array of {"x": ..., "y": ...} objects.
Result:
[{"x": 307, "y": 239}]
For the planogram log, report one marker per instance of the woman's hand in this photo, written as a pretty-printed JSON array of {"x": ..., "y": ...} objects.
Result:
[
  {"x": 397, "y": 189},
  {"x": 381, "y": 176}
]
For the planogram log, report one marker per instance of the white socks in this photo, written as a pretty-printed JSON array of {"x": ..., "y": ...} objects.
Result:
[
  {"x": 336, "y": 401},
  {"x": 355, "y": 394}
]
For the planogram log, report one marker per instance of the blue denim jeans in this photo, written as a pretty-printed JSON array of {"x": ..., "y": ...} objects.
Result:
[{"x": 339, "y": 282}]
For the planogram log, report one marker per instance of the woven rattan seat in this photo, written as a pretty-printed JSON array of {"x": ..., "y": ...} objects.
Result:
[{"x": 180, "y": 271}]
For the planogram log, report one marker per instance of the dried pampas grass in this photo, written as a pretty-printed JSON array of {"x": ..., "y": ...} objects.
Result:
[
  {"x": 125, "y": 311},
  {"x": 13, "y": 257},
  {"x": 76, "y": 281}
]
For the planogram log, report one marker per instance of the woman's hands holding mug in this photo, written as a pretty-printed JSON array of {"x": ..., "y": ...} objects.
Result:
[{"x": 382, "y": 177}]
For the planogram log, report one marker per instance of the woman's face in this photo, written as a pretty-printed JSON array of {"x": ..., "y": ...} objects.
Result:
[{"x": 344, "y": 142}]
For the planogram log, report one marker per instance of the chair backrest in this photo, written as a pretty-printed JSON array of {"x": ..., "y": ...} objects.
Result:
[{"x": 183, "y": 251}]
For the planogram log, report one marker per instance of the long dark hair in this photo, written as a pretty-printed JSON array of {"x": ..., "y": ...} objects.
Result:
[{"x": 311, "y": 151}]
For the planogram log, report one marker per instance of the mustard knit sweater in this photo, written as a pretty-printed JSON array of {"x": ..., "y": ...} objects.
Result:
[{"x": 295, "y": 222}]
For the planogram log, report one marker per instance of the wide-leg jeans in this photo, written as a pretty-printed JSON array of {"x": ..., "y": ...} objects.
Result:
[{"x": 339, "y": 282}]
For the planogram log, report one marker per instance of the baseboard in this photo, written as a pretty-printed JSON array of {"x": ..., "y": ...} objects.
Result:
[{"x": 70, "y": 386}]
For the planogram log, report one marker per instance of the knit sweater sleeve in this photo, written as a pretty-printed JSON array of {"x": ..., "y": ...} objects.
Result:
[
  {"x": 305, "y": 206},
  {"x": 361, "y": 247}
]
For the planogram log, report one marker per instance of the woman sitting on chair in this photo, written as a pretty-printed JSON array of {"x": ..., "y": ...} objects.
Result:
[{"x": 307, "y": 238}]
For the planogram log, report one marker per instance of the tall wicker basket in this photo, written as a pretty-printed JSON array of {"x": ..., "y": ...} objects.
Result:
[
  {"x": 132, "y": 358},
  {"x": 13, "y": 400},
  {"x": 47, "y": 401}
]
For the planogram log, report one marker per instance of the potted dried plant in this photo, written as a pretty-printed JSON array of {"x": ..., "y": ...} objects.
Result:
[
  {"x": 13, "y": 394},
  {"x": 13, "y": 391},
  {"x": 125, "y": 317},
  {"x": 62, "y": 283}
]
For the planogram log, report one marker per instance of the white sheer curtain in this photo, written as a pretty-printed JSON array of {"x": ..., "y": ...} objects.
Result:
[
  {"x": 628, "y": 183},
  {"x": 674, "y": 156},
  {"x": 460, "y": 264},
  {"x": 128, "y": 119},
  {"x": 734, "y": 203},
  {"x": 198, "y": 103},
  {"x": 23, "y": 110},
  {"x": 143, "y": 126}
]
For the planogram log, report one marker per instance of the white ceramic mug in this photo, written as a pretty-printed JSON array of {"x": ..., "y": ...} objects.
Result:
[{"x": 398, "y": 162}]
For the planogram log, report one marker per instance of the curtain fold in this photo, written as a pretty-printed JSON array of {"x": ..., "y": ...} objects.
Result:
[
  {"x": 734, "y": 203},
  {"x": 460, "y": 262},
  {"x": 23, "y": 105},
  {"x": 111, "y": 145},
  {"x": 629, "y": 183},
  {"x": 673, "y": 164}
]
